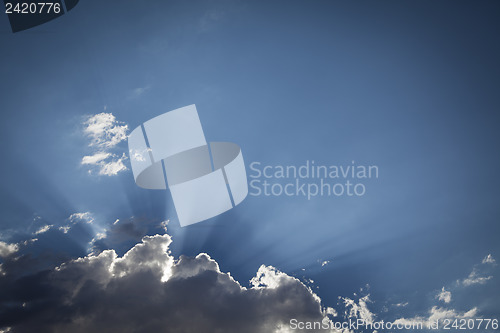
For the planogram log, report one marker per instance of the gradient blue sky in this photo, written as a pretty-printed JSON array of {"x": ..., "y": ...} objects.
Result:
[{"x": 410, "y": 86}]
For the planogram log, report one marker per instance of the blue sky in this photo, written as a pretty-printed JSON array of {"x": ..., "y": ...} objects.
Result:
[{"x": 411, "y": 87}]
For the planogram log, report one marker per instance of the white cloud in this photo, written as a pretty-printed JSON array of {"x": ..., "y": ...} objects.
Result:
[
  {"x": 268, "y": 277},
  {"x": 138, "y": 155},
  {"x": 358, "y": 310},
  {"x": 401, "y": 305},
  {"x": 479, "y": 273},
  {"x": 74, "y": 218},
  {"x": 114, "y": 167},
  {"x": 436, "y": 314},
  {"x": 331, "y": 311},
  {"x": 96, "y": 158},
  {"x": 444, "y": 296},
  {"x": 488, "y": 259},
  {"x": 106, "y": 163},
  {"x": 86, "y": 217},
  {"x": 104, "y": 130},
  {"x": 65, "y": 229},
  {"x": 164, "y": 224},
  {"x": 43, "y": 229},
  {"x": 105, "y": 133},
  {"x": 475, "y": 278},
  {"x": 7, "y": 249}
]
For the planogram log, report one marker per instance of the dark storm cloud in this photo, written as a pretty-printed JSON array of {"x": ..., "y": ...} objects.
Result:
[{"x": 147, "y": 290}]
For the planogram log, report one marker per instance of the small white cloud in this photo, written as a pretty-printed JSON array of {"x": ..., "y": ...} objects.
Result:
[
  {"x": 96, "y": 158},
  {"x": 104, "y": 130},
  {"x": 475, "y": 278},
  {"x": 99, "y": 235},
  {"x": 43, "y": 229},
  {"x": 436, "y": 314},
  {"x": 7, "y": 249},
  {"x": 444, "y": 296},
  {"x": 488, "y": 259},
  {"x": 401, "y": 305},
  {"x": 105, "y": 133},
  {"x": 113, "y": 168},
  {"x": 74, "y": 218},
  {"x": 164, "y": 224},
  {"x": 29, "y": 241},
  {"x": 360, "y": 309},
  {"x": 268, "y": 277},
  {"x": 65, "y": 229},
  {"x": 331, "y": 311},
  {"x": 479, "y": 273},
  {"x": 139, "y": 155},
  {"x": 86, "y": 217},
  {"x": 107, "y": 164}
]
